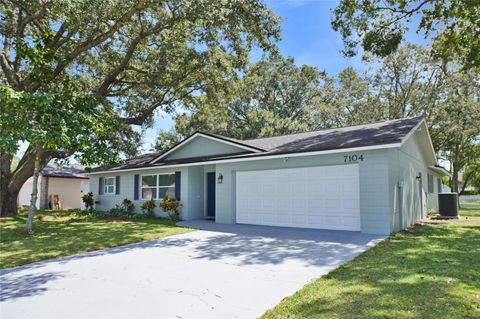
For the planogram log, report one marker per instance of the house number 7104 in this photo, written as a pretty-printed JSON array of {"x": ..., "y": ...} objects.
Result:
[{"x": 353, "y": 158}]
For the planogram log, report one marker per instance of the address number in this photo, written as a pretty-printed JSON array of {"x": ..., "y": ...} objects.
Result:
[{"x": 352, "y": 158}]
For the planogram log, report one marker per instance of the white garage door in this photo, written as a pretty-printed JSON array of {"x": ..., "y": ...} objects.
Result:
[{"x": 325, "y": 197}]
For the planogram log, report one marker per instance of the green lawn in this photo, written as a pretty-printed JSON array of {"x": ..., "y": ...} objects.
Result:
[
  {"x": 470, "y": 212},
  {"x": 59, "y": 234},
  {"x": 430, "y": 271}
]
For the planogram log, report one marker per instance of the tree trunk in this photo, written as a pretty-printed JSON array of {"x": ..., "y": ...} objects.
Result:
[
  {"x": 12, "y": 182},
  {"x": 455, "y": 182},
  {"x": 8, "y": 203},
  {"x": 8, "y": 199},
  {"x": 33, "y": 199}
]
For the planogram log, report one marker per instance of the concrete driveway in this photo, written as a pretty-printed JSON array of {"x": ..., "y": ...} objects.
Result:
[{"x": 222, "y": 271}]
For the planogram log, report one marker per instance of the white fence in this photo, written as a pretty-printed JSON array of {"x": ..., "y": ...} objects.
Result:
[{"x": 469, "y": 201}]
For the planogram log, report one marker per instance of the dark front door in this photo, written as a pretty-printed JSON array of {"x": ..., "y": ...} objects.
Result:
[{"x": 211, "y": 194}]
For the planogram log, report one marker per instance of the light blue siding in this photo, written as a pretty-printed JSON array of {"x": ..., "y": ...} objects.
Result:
[
  {"x": 390, "y": 194},
  {"x": 107, "y": 202},
  {"x": 406, "y": 191},
  {"x": 202, "y": 146},
  {"x": 374, "y": 205}
]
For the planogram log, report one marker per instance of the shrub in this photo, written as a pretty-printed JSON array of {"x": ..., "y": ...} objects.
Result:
[
  {"x": 172, "y": 207},
  {"x": 148, "y": 207},
  {"x": 88, "y": 200},
  {"x": 128, "y": 206},
  {"x": 471, "y": 192},
  {"x": 123, "y": 210}
]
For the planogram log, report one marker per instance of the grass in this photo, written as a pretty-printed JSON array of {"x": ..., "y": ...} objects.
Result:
[
  {"x": 429, "y": 271},
  {"x": 470, "y": 204},
  {"x": 469, "y": 212},
  {"x": 60, "y": 233}
]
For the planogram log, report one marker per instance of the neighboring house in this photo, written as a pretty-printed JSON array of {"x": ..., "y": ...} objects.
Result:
[
  {"x": 69, "y": 183},
  {"x": 374, "y": 178}
]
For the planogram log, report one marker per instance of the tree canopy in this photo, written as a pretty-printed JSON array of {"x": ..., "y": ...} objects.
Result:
[
  {"x": 277, "y": 97},
  {"x": 138, "y": 56},
  {"x": 379, "y": 27},
  {"x": 272, "y": 97}
]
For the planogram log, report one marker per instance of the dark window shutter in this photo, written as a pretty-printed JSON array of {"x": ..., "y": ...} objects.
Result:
[
  {"x": 136, "y": 179},
  {"x": 177, "y": 185},
  {"x": 117, "y": 185},
  {"x": 100, "y": 186}
]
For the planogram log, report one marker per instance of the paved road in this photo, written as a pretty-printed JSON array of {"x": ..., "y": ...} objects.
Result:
[{"x": 222, "y": 271}]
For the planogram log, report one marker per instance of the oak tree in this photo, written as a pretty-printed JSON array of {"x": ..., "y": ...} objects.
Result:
[{"x": 140, "y": 55}]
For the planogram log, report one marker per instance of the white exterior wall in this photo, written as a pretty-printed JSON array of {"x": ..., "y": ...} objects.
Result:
[
  {"x": 68, "y": 189},
  {"x": 26, "y": 192}
]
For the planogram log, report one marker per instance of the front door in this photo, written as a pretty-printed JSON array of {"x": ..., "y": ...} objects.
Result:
[{"x": 211, "y": 194}]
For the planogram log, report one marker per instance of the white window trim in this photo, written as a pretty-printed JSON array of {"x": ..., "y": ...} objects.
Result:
[
  {"x": 157, "y": 187},
  {"x": 105, "y": 192}
]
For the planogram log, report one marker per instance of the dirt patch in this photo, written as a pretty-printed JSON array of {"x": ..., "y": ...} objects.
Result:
[{"x": 439, "y": 220}]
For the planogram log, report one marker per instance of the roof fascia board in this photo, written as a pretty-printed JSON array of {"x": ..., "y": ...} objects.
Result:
[
  {"x": 71, "y": 177},
  {"x": 257, "y": 158},
  {"x": 195, "y": 135}
]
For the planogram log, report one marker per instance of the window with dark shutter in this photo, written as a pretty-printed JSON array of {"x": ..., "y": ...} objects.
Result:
[
  {"x": 136, "y": 179},
  {"x": 117, "y": 185},
  {"x": 178, "y": 178},
  {"x": 100, "y": 186}
]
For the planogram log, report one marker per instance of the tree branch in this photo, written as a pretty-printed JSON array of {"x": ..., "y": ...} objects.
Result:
[
  {"x": 7, "y": 70},
  {"x": 88, "y": 44}
]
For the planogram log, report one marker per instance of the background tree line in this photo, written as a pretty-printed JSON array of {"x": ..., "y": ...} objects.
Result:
[{"x": 277, "y": 97}]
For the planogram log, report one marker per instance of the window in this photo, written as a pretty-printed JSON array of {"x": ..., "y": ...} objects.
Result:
[
  {"x": 149, "y": 186},
  {"x": 158, "y": 186},
  {"x": 109, "y": 185},
  {"x": 166, "y": 185},
  {"x": 430, "y": 183},
  {"x": 439, "y": 185}
]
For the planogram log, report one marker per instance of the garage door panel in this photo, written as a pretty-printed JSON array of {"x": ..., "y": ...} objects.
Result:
[
  {"x": 333, "y": 204},
  {"x": 299, "y": 220},
  {"x": 315, "y": 204},
  {"x": 351, "y": 204},
  {"x": 324, "y": 197},
  {"x": 283, "y": 219}
]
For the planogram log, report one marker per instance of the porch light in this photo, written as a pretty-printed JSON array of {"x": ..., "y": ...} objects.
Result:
[{"x": 220, "y": 178}]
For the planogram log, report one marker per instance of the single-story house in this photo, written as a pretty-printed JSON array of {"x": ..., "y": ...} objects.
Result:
[
  {"x": 58, "y": 185},
  {"x": 375, "y": 178}
]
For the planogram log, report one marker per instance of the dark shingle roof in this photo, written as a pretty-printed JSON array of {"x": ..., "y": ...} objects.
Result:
[
  {"x": 134, "y": 162},
  {"x": 344, "y": 137},
  {"x": 380, "y": 133},
  {"x": 70, "y": 171}
]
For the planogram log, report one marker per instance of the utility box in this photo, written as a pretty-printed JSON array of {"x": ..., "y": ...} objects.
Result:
[{"x": 448, "y": 204}]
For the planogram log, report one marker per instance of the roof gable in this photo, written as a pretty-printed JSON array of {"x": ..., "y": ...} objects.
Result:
[{"x": 205, "y": 145}]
